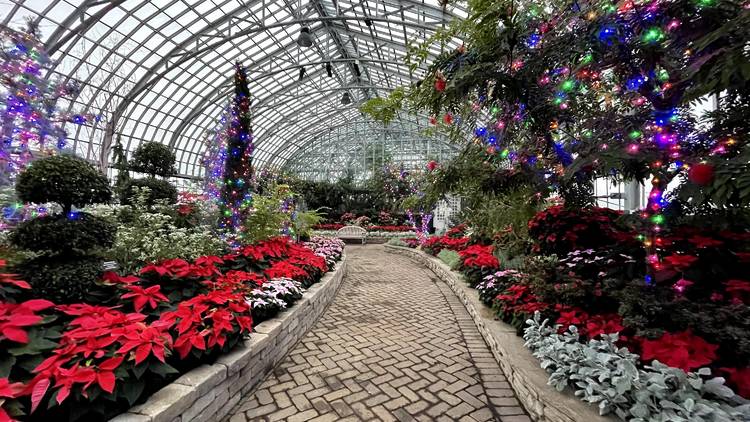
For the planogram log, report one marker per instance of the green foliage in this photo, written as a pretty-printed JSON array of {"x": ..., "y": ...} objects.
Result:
[
  {"x": 120, "y": 162},
  {"x": 450, "y": 258},
  {"x": 63, "y": 279},
  {"x": 150, "y": 234},
  {"x": 64, "y": 179},
  {"x": 58, "y": 234},
  {"x": 158, "y": 191},
  {"x": 154, "y": 159},
  {"x": 267, "y": 219},
  {"x": 395, "y": 241},
  {"x": 605, "y": 374},
  {"x": 384, "y": 109},
  {"x": 304, "y": 222}
]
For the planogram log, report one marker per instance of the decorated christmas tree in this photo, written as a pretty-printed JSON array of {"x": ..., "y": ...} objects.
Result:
[
  {"x": 606, "y": 89},
  {"x": 30, "y": 122},
  {"x": 236, "y": 196}
]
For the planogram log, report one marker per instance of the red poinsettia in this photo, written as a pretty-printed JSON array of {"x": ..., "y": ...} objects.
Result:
[
  {"x": 150, "y": 296},
  {"x": 111, "y": 277},
  {"x": 479, "y": 256},
  {"x": 571, "y": 316},
  {"x": 683, "y": 350},
  {"x": 739, "y": 290},
  {"x": 15, "y": 317},
  {"x": 603, "y": 324},
  {"x": 146, "y": 341},
  {"x": 680, "y": 262},
  {"x": 284, "y": 269},
  {"x": 739, "y": 379}
]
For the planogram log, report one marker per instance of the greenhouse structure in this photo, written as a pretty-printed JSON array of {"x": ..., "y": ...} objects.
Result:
[{"x": 375, "y": 210}]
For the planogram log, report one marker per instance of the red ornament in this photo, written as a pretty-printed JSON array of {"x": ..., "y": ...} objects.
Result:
[
  {"x": 701, "y": 174},
  {"x": 433, "y": 120},
  {"x": 432, "y": 165},
  {"x": 440, "y": 84},
  {"x": 448, "y": 119}
]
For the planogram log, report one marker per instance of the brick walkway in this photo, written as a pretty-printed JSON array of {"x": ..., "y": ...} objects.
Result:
[{"x": 396, "y": 344}]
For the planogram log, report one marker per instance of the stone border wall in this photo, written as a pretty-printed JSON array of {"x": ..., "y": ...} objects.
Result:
[
  {"x": 521, "y": 368},
  {"x": 209, "y": 392}
]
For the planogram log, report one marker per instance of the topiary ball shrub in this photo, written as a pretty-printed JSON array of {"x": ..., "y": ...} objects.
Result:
[
  {"x": 61, "y": 234},
  {"x": 64, "y": 179},
  {"x": 158, "y": 190},
  {"x": 154, "y": 159},
  {"x": 62, "y": 279}
]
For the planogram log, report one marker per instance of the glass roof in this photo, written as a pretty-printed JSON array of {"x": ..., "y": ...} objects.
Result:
[{"x": 162, "y": 70}]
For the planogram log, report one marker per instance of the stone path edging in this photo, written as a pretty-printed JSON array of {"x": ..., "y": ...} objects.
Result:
[
  {"x": 529, "y": 381},
  {"x": 209, "y": 392}
]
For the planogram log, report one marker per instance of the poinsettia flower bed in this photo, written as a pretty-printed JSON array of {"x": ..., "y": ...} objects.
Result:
[
  {"x": 692, "y": 313},
  {"x": 87, "y": 361}
]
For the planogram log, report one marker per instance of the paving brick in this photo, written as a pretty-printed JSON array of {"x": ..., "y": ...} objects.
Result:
[{"x": 379, "y": 354}]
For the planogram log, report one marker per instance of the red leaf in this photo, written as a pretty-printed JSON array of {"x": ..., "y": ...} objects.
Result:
[
  {"x": 63, "y": 393},
  {"x": 38, "y": 392},
  {"x": 142, "y": 352},
  {"x": 106, "y": 381},
  {"x": 37, "y": 304},
  {"x": 15, "y": 334},
  {"x": 111, "y": 364}
]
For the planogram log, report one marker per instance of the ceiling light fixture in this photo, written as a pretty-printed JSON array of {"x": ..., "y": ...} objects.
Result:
[
  {"x": 346, "y": 99},
  {"x": 305, "y": 38},
  {"x": 329, "y": 69}
]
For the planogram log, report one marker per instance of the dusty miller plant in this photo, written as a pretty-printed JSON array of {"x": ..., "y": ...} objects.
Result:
[{"x": 602, "y": 373}]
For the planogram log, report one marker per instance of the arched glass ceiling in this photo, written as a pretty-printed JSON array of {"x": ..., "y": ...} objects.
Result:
[
  {"x": 162, "y": 69},
  {"x": 363, "y": 146}
]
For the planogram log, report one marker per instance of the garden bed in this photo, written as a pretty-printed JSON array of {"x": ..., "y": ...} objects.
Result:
[
  {"x": 209, "y": 392},
  {"x": 529, "y": 381}
]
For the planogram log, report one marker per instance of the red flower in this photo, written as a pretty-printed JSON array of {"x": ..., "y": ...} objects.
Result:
[
  {"x": 432, "y": 165},
  {"x": 284, "y": 269},
  {"x": 209, "y": 260},
  {"x": 680, "y": 262},
  {"x": 739, "y": 290},
  {"x": 682, "y": 350},
  {"x": 14, "y": 317},
  {"x": 571, "y": 316},
  {"x": 150, "y": 296},
  {"x": 146, "y": 341},
  {"x": 440, "y": 84},
  {"x": 739, "y": 378},
  {"x": 479, "y": 256},
  {"x": 10, "y": 390},
  {"x": 705, "y": 242},
  {"x": 12, "y": 280},
  {"x": 114, "y": 278},
  {"x": 604, "y": 324}
]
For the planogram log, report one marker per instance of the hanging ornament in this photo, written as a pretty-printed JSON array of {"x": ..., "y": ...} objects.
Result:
[
  {"x": 448, "y": 119},
  {"x": 432, "y": 165},
  {"x": 439, "y": 81},
  {"x": 701, "y": 174}
]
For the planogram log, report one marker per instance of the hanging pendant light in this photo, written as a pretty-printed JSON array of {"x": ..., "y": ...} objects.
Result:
[
  {"x": 305, "y": 38},
  {"x": 329, "y": 69},
  {"x": 346, "y": 99}
]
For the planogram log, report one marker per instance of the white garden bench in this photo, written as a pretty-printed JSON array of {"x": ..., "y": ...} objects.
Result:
[{"x": 352, "y": 233}]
